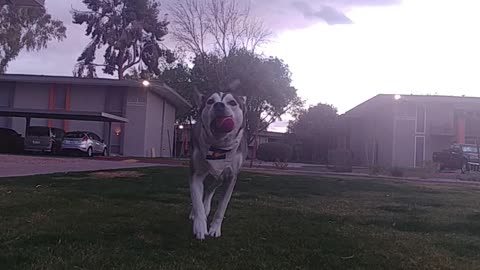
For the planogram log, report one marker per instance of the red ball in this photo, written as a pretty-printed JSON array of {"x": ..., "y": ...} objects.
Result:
[{"x": 224, "y": 124}]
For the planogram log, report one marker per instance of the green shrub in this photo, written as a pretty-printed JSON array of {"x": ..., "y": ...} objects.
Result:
[
  {"x": 375, "y": 170},
  {"x": 274, "y": 152},
  {"x": 397, "y": 172}
]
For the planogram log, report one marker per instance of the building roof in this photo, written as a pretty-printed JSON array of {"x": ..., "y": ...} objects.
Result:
[
  {"x": 389, "y": 99},
  {"x": 271, "y": 134},
  {"x": 83, "y": 116},
  {"x": 160, "y": 88}
]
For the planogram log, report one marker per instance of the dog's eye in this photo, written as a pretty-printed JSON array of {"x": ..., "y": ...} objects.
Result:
[
  {"x": 232, "y": 103},
  {"x": 210, "y": 101}
]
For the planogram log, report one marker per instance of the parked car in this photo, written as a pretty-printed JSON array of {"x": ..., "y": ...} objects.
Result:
[
  {"x": 10, "y": 141},
  {"x": 84, "y": 142},
  {"x": 458, "y": 156},
  {"x": 44, "y": 139}
]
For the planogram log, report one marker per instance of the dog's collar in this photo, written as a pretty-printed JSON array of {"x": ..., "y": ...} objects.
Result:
[{"x": 215, "y": 153}]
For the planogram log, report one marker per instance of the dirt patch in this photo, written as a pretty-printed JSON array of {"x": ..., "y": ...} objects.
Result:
[{"x": 121, "y": 174}]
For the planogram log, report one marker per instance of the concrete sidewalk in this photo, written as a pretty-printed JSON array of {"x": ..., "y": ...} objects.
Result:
[
  {"x": 353, "y": 176},
  {"x": 13, "y": 165}
]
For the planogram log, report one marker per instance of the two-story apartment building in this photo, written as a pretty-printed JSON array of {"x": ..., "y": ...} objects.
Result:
[
  {"x": 150, "y": 110},
  {"x": 404, "y": 131}
]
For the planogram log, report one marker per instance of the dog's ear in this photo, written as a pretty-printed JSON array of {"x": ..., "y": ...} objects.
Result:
[
  {"x": 241, "y": 99},
  {"x": 198, "y": 97}
]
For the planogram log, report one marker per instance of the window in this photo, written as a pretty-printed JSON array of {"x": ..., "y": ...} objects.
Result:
[
  {"x": 75, "y": 135},
  {"x": 60, "y": 98},
  {"x": 469, "y": 149},
  {"x": 419, "y": 151},
  {"x": 115, "y": 102},
  {"x": 420, "y": 119},
  {"x": 4, "y": 97},
  {"x": 58, "y": 133},
  {"x": 39, "y": 132}
]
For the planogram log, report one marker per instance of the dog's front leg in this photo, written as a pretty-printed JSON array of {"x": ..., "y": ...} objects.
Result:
[
  {"x": 199, "y": 217},
  {"x": 216, "y": 225},
  {"x": 209, "y": 192}
]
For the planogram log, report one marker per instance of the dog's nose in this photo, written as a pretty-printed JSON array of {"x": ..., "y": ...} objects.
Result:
[{"x": 219, "y": 106}]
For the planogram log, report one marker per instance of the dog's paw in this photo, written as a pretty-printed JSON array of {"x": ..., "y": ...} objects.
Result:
[
  {"x": 200, "y": 228},
  {"x": 215, "y": 229},
  {"x": 191, "y": 216}
]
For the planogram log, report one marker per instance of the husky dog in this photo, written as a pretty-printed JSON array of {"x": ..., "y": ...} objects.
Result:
[{"x": 219, "y": 149}]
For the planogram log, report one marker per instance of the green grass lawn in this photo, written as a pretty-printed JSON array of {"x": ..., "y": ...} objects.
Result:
[{"x": 80, "y": 221}]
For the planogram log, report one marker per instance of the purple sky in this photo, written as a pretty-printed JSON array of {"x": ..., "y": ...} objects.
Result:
[
  {"x": 59, "y": 58},
  {"x": 340, "y": 52}
]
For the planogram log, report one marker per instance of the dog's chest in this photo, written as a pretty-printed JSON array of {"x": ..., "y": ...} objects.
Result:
[{"x": 220, "y": 159}]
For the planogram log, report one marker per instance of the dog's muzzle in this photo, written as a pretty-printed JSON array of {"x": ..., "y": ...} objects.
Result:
[
  {"x": 219, "y": 109},
  {"x": 222, "y": 124}
]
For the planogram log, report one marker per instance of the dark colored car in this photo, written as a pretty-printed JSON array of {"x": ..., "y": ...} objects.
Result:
[
  {"x": 44, "y": 140},
  {"x": 10, "y": 141},
  {"x": 458, "y": 156}
]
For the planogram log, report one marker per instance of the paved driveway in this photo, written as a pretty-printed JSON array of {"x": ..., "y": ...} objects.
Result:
[{"x": 11, "y": 165}]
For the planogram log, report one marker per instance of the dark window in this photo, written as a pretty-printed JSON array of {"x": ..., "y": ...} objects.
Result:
[
  {"x": 115, "y": 101},
  {"x": 75, "y": 135},
  {"x": 58, "y": 133},
  {"x": 4, "y": 97},
  {"x": 39, "y": 131},
  {"x": 9, "y": 132},
  {"x": 90, "y": 136},
  {"x": 420, "y": 119},
  {"x": 60, "y": 98},
  {"x": 419, "y": 151}
]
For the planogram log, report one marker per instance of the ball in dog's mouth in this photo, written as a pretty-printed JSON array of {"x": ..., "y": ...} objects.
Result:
[{"x": 223, "y": 124}]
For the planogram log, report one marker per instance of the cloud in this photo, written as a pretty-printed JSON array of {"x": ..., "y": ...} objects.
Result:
[
  {"x": 328, "y": 14},
  {"x": 284, "y": 15},
  {"x": 281, "y": 15}
]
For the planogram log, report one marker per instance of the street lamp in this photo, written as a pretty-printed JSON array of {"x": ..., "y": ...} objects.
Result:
[
  {"x": 180, "y": 126},
  {"x": 146, "y": 83}
]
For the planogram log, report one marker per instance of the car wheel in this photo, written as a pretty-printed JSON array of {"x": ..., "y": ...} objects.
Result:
[
  {"x": 105, "y": 152},
  {"x": 90, "y": 152},
  {"x": 464, "y": 168},
  {"x": 54, "y": 150}
]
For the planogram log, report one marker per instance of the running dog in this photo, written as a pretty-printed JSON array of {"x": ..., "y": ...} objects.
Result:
[{"x": 219, "y": 149}]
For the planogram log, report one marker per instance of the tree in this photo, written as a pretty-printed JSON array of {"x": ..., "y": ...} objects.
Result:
[
  {"x": 226, "y": 24},
  {"x": 266, "y": 81},
  {"x": 130, "y": 31},
  {"x": 314, "y": 129},
  {"x": 25, "y": 28}
]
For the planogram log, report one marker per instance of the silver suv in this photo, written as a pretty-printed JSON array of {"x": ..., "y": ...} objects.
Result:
[
  {"x": 84, "y": 142},
  {"x": 43, "y": 139}
]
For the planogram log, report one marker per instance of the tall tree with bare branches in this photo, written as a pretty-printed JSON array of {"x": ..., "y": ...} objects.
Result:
[{"x": 221, "y": 25}]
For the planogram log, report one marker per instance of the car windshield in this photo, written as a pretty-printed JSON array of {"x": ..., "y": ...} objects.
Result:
[
  {"x": 7, "y": 131},
  {"x": 470, "y": 149},
  {"x": 38, "y": 131},
  {"x": 75, "y": 135}
]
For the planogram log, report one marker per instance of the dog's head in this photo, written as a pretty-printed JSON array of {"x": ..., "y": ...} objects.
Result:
[{"x": 222, "y": 113}]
